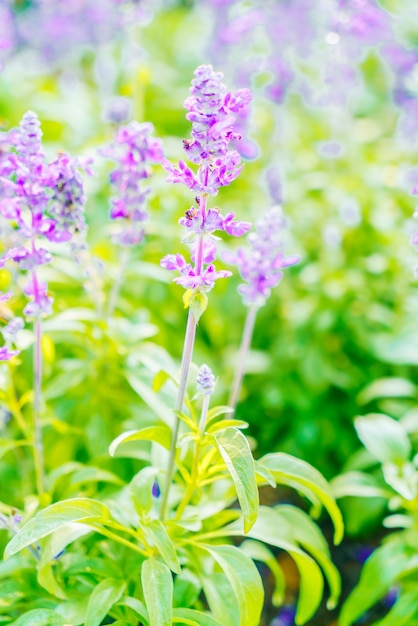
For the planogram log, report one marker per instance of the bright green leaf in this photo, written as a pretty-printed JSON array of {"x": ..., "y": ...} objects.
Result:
[
  {"x": 104, "y": 596},
  {"x": 244, "y": 579},
  {"x": 157, "y": 584},
  {"x": 236, "y": 453},
  {"x": 259, "y": 552},
  {"x": 158, "y": 537},
  {"x": 55, "y": 516},
  {"x": 288, "y": 470},
  {"x": 158, "y": 434},
  {"x": 384, "y": 437}
]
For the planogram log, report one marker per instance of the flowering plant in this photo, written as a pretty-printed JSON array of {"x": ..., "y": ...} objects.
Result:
[{"x": 169, "y": 554}]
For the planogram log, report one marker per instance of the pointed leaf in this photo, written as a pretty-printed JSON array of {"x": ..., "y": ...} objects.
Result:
[
  {"x": 274, "y": 529},
  {"x": 104, "y": 596},
  {"x": 157, "y": 584},
  {"x": 158, "y": 434},
  {"x": 244, "y": 579},
  {"x": 157, "y": 536},
  {"x": 288, "y": 470},
  {"x": 223, "y": 424},
  {"x": 259, "y": 552},
  {"x": 236, "y": 453},
  {"x": 385, "y": 438},
  {"x": 55, "y": 516}
]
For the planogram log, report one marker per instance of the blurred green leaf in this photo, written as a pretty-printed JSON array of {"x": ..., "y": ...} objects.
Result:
[
  {"x": 157, "y": 584},
  {"x": 104, "y": 596}
]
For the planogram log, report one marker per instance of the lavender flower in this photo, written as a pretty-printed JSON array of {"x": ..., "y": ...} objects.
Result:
[
  {"x": 133, "y": 149},
  {"x": 261, "y": 264},
  {"x": 211, "y": 109},
  {"x": 44, "y": 200},
  {"x": 205, "y": 381},
  {"x": 6, "y": 354}
]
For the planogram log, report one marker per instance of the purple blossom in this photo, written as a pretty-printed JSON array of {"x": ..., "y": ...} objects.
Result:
[
  {"x": 6, "y": 354},
  {"x": 211, "y": 110},
  {"x": 133, "y": 150},
  {"x": 44, "y": 200},
  {"x": 205, "y": 381},
  {"x": 262, "y": 262}
]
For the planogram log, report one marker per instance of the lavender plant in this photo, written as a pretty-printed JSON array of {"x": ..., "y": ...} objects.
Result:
[
  {"x": 260, "y": 266},
  {"x": 45, "y": 201},
  {"x": 170, "y": 530}
]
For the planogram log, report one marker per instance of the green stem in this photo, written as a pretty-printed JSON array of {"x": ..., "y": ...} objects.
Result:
[
  {"x": 184, "y": 374},
  {"x": 121, "y": 540},
  {"x": 191, "y": 487},
  {"x": 243, "y": 351},
  {"x": 38, "y": 451}
]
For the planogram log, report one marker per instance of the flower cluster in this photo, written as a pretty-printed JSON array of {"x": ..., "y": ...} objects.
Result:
[
  {"x": 133, "y": 150},
  {"x": 211, "y": 110},
  {"x": 200, "y": 222},
  {"x": 261, "y": 264},
  {"x": 44, "y": 201},
  {"x": 205, "y": 381}
]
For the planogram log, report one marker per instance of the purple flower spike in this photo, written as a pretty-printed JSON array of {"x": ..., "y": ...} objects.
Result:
[
  {"x": 133, "y": 150},
  {"x": 45, "y": 200},
  {"x": 205, "y": 381},
  {"x": 211, "y": 110},
  {"x": 261, "y": 264}
]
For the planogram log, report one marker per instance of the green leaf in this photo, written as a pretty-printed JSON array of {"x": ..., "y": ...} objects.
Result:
[
  {"x": 381, "y": 570},
  {"x": 358, "y": 484},
  {"x": 387, "y": 388},
  {"x": 216, "y": 411},
  {"x": 236, "y": 453},
  {"x": 384, "y": 437},
  {"x": 187, "y": 588},
  {"x": 150, "y": 398},
  {"x": 39, "y": 617},
  {"x": 141, "y": 489},
  {"x": 55, "y": 516},
  {"x": 104, "y": 596},
  {"x": 259, "y": 552},
  {"x": 221, "y": 598},
  {"x": 308, "y": 535},
  {"x": 137, "y": 606},
  {"x": 244, "y": 579},
  {"x": 7, "y": 445},
  {"x": 273, "y": 528},
  {"x": 158, "y": 537},
  {"x": 157, "y": 584},
  {"x": 223, "y": 424},
  {"x": 288, "y": 470},
  {"x": 158, "y": 434},
  {"x": 199, "y": 618}
]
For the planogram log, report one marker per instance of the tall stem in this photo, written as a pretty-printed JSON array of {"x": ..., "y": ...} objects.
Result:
[
  {"x": 243, "y": 351},
  {"x": 184, "y": 372},
  {"x": 38, "y": 451}
]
